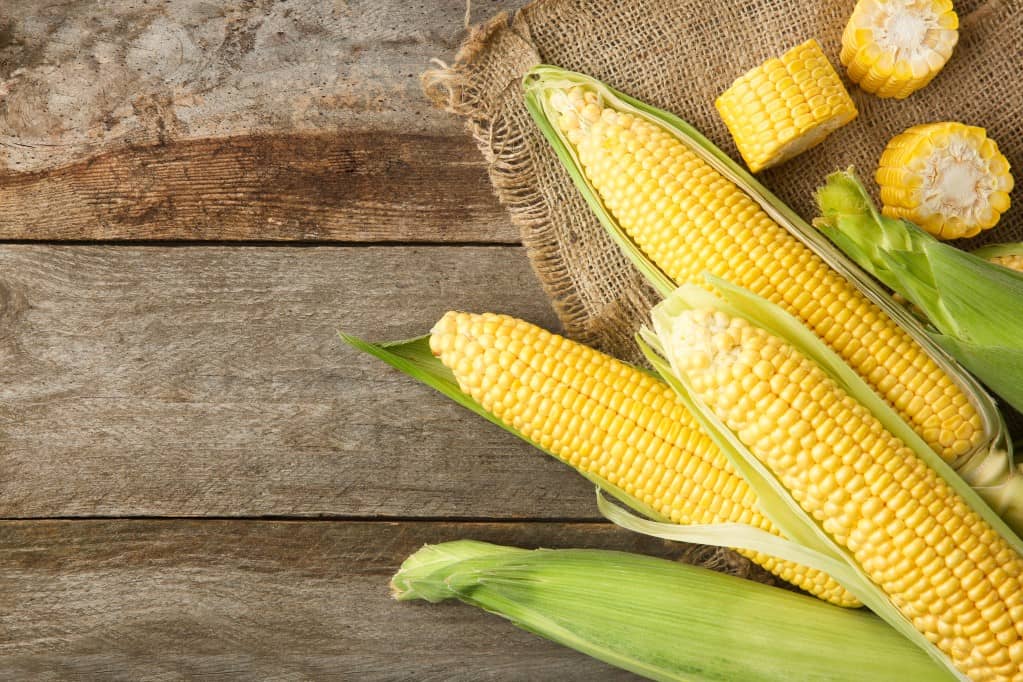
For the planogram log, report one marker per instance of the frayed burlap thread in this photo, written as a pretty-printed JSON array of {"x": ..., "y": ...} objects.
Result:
[{"x": 679, "y": 55}]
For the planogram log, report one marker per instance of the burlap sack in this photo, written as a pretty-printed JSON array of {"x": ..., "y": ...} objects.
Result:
[{"x": 679, "y": 55}]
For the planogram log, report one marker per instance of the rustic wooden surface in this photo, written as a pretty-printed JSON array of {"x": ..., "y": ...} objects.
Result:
[{"x": 197, "y": 478}]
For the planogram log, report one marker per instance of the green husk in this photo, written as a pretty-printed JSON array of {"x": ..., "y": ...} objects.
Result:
[
  {"x": 542, "y": 81},
  {"x": 662, "y": 619}
]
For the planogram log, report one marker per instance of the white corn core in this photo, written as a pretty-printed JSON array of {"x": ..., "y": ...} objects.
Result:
[
  {"x": 907, "y": 29},
  {"x": 956, "y": 181}
]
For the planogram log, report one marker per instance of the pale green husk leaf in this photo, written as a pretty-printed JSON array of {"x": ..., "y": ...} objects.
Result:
[{"x": 664, "y": 620}]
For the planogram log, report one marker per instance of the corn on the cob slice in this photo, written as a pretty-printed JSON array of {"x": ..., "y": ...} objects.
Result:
[
  {"x": 785, "y": 106},
  {"x": 688, "y": 219},
  {"x": 948, "y": 178},
  {"x": 1007, "y": 255},
  {"x": 609, "y": 420},
  {"x": 942, "y": 566},
  {"x": 893, "y": 48}
]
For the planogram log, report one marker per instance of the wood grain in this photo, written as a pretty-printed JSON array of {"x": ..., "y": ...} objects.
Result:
[
  {"x": 129, "y": 120},
  {"x": 175, "y": 599},
  {"x": 342, "y": 187},
  {"x": 198, "y": 381}
]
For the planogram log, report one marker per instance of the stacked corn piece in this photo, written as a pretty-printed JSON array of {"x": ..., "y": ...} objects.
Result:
[
  {"x": 1007, "y": 255},
  {"x": 785, "y": 106},
  {"x": 689, "y": 219},
  {"x": 892, "y": 48},
  {"x": 610, "y": 420},
  {"x": 948, "y": 178},
  {"x": 941, "y": 565}
]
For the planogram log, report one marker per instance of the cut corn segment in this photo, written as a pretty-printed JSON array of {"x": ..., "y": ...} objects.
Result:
[
  {"x": 785, "y": 106},
  {"x": 688, "y": 219},
  {"x": 948, "y": 178},
  {"x": 892, "y": 48},
  {"x": 941, "y": 565},
  {"x": 1007, "y": 255},
  {"x": 609, "y": 420}
]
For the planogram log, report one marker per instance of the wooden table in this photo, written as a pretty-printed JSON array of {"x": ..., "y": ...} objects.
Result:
[{"x": 197, "y": 478}]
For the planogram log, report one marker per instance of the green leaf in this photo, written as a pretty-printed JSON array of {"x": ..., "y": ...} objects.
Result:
[{"x": 664, "y": 620}]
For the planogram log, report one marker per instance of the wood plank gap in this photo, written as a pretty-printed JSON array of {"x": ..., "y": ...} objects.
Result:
[
  {"x": 292, "y": 518},
  {"x": 182, "y": 243}
]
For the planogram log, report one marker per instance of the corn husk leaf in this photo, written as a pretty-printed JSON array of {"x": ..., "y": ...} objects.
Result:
[
  {"x": 661, "y": 619},
  {"x": 541, "y": 82}
]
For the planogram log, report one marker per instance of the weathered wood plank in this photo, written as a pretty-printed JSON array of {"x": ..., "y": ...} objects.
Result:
[
  {"x": 263, "y": 600},
  {"x": 340, "y": 187},
  {"x": 210, "y": 381},
  {"x": 156, "y": 94}
]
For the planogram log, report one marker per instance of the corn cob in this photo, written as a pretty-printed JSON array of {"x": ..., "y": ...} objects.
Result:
[
  {"x": 785, "y": 106},
  {"x": 1007, "y": 255},
  {"x": 942, "y": 566},
  {"x": 688, "y": 219},
  {"x": 892, "y": 48},
  {"x": 610, "y": 420},
  {"x": 948, "y": 178}
]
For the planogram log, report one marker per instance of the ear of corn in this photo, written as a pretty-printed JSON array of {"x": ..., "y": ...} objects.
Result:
[
  {"x": 927, "y": 551},
  {"x": 619, "y": 426},
  {"x": 892, "y": 48},
  {"x": 948, "y": 178},
  {"x": 785, "y": 106},
  {"x": 664, "y": 620},
  {"x": 1007, "y": 255},
  {"x": 678, "y": 206},
  {"x": 968, "y": 300}
]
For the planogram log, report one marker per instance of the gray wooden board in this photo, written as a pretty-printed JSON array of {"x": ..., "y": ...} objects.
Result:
[
  {"x": 179, "y": 599},
  {"x": 210, "y": 381},
  {"x": 248, "y": 119}
]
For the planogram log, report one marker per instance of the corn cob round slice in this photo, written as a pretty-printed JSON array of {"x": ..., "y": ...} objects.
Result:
[
  {"x": 785, "y": 106},
  {"x": 943, "y": 567},
  {"x": 892, "y": 48},
  {"x": 948, "y": 178},
  {"x": 608, "y": 419},
  {"x": 688, "y": 219}
]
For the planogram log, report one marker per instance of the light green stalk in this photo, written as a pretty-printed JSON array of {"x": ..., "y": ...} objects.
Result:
[{"x": 664, "y": 620}]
